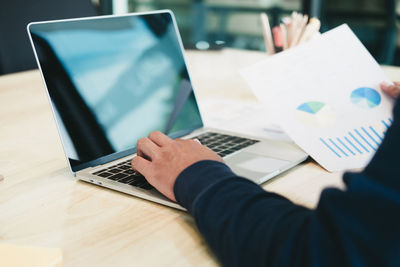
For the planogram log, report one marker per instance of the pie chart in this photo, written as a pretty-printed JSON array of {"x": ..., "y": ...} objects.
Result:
[
  {"x": 365, "y": 97},
  {"x": 315, "y": 114}
]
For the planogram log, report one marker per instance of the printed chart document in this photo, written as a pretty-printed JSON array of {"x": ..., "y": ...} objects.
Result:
[{"x": 326, "y": 97}]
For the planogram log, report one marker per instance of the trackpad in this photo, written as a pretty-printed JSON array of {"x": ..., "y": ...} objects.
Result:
[
  {"x": 262, "y": 164},
  {"x": 253, "y": 166}
]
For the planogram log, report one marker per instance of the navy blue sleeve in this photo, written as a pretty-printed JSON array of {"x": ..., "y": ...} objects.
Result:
[{"x": 247, "y": 226}]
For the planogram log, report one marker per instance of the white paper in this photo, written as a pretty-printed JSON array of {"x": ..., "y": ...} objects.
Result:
[
  {"x": 326, "y": 95},
  {"x": 250, "y": 118}
]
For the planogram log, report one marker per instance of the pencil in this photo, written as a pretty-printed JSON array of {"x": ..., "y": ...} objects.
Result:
[
  {"x": 300, "y": 30},
  {"x": 267, "y": 34},
  {"x": 284, "y": 36},
  {"x": 312, "y": 28},
  {"x": 278, "y": 38}
]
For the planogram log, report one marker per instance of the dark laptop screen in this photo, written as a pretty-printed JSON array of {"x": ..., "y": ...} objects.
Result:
[{"x": 114, "y": 80}]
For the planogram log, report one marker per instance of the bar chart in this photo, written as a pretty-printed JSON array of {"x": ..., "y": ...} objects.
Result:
[{"x": 357, "y": 141}]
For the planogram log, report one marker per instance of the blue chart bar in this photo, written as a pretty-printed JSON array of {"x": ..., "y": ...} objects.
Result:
[
  {"x": 354, "y": 146},
  {"x": 386, "y": 125},
  {"x": 356, "y": 142},
  {"x": 330, "y": 148},
  {"x": 364, "y": 139},
  {"x": 338, "y": 147},
  {"x": 369, "y": 136},
  {"x": 343, "y": 144},
  {"x": 376, "y": 133}
]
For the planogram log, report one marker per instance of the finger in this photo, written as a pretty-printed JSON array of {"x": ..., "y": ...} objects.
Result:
[
  {"x": 391, "y": 90},
  {"x": 159, "y": 138},
  {"x": 141, "y": 165},
  {"x": 146, "y": 148},
  {"x": 197, "y": 140}
]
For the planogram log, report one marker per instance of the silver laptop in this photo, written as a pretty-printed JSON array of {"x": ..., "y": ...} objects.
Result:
[{"x": 114, "y": 79}]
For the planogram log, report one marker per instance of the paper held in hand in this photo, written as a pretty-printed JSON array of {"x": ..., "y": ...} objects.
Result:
[{"x": 326, "y": 97}]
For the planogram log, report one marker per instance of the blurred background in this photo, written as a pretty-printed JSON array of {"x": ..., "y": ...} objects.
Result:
[{"x": 209, "y": 24}]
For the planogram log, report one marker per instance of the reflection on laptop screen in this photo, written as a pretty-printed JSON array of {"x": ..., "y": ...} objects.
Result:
[{"x": 114, "y": 80}]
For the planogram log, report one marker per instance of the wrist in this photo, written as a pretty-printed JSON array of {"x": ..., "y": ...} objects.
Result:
[{"x": 196, "y": 178}]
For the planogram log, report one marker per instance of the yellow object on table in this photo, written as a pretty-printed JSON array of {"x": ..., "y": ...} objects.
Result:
[{"x": 21, "y": 256}]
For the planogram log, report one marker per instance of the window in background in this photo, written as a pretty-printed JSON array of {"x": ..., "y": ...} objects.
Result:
[
  {"x": 373, "y": 21},
  {"x": 231, "y": 22},
  {"x": 235, "y": 23}
]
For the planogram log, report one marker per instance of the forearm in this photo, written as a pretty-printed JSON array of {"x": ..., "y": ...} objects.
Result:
[
  {"x": 251, "y": 227},
  {"x": 246, "y": 226},
  {"x": 242, "y": 223}
]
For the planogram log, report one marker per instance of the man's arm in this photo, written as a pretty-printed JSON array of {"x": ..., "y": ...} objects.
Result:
[{"x": 243, "y": 224}]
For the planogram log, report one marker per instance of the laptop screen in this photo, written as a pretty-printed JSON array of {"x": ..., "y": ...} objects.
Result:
[{"x": 114, "y": 80}]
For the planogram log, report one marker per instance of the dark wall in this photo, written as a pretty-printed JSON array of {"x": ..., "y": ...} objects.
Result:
[{"x": 15, "y": 49}]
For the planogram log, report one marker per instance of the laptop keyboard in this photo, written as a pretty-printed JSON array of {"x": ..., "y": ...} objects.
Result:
[
  {"x": 222, "y": 144},
  {"x": 123, "y": 173}
]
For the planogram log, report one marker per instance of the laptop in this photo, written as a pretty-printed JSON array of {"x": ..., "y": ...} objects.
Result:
[{"x": 114, "y": 79}]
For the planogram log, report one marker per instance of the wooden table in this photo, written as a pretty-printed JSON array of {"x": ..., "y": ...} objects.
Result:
[{"x": 41, "y": 204}]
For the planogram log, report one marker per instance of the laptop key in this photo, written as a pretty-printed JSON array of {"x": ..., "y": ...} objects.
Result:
[
  {"x": 117, "y": 176},
  {"x": 147, "y": 186},
  {"x": 139, "y": 180},
  {"x": 104, "y": 174},
  {"x": 114, "y": 170},
  {"x": 136, "y": 183},
  {"x": 127, "y": 180},
  {"x": 124, "y": 167},
  {"x": 235, "y": 147},
  {"x": 130, "y": 172}
]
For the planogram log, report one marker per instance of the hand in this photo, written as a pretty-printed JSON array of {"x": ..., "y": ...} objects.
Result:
[
  {"x": 391, "y": 90},
  {"x": 160, "y": 160}
]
